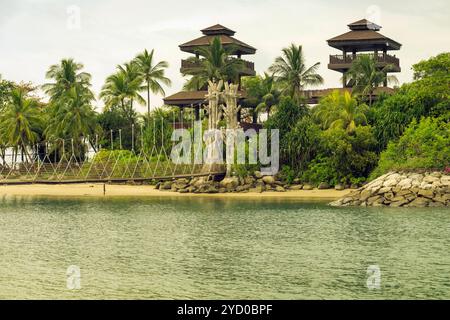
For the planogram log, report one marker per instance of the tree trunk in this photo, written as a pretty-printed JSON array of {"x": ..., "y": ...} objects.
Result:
[{"x": 148, "y": 103}]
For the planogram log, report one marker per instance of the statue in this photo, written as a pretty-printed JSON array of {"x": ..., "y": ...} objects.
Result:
[
  {"x": 231, "y": 110},
  {"x": 214, "y": 114}
]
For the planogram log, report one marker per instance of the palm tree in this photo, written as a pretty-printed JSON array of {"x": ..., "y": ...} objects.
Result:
[
  {"x": 340, "y": 111},
  {"x": 122, "y": 87},
  {"x": 262, "y": 93},
  {"x": 213, "y": 63},
  {"x": 20, "y": 122},
  {"x": 366, "y": 76},
  {"x": 66, "y": 75},
  {"x": 153, "y": 74},
  {"x": 291, "y": 72},
  {"x": 74, "y": 117}
]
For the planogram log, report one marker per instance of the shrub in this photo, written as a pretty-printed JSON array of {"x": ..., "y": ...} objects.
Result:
[
  {"x": 428, "y": 95},
  {"x": 343, "y": 157},
  {"x": 424, "y": 145}
]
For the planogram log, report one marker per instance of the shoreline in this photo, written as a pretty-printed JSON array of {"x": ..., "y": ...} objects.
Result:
[{"x": 88, "y": 190}]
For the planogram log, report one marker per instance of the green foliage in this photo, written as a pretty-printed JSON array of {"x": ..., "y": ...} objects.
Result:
[
  {"x": 262, "y": 93},
  {"x": 66, "y": 75},
  {"x": 343, "y": 157},
  {"x": 122, "y": 88},
  {"x": 287, "y": 174},
  {"x": 366, "y": 76},
  {"x": 122, "y": 156},
  {"x": 214, "y": 63},
  {"x": 5, "y": 90},
  {"x": 338, "y": 110},
  {"x": 158, "y": 132},
  {"x": 321, "y": 170},
  {"x": 115, "y": 118},
  {"x": 424, "y": 145},
  {"x": 152, "y": 74},
  {"x": 21, "y": 121},
  {"x": 438, "y": 66},
  {"x": 291, "y": 72},
  {"x": 287, "y": 115},
  {"x": 428, "y": 95},
  {"x": 301, "y": 144}
]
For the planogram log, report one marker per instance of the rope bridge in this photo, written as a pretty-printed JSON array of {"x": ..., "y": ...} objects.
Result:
[{"x": 61, "y": 161}]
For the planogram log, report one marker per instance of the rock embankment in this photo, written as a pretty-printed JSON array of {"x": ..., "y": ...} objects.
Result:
[
  {"x": 430, "y": 189},
  {"x": 252, "y": 183}
]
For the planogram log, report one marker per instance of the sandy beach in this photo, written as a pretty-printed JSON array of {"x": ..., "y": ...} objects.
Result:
[{"x": 116, "y": 190}]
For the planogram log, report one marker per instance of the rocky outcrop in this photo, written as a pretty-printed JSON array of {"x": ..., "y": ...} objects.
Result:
[{"x": 400, "y": 189}]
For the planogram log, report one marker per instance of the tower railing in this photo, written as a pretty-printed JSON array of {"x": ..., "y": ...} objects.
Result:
[
  {"x": 249, "y": 67},
  {"x": 349, "y": 58}
]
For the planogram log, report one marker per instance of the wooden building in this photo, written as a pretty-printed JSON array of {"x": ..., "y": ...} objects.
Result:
[
  {"x": 363, "y": 37},
  {"x": 195, "y": 99}
]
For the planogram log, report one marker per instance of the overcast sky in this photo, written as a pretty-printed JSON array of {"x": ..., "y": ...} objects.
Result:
[{"x": 37, "y": 33}]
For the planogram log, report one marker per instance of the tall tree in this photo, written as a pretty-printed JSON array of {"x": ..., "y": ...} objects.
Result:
[
  {"x": 123, "y": 87},
  {"x": 366, "y": 76},
  {"x": 214, "y": 63},
  {"x": 262, "y": 93},
  {"x": 153, "y": 74},
  {"x": 66, "y": 75},
  {"x": 74, "y": 118},
  {"x": 20, "y": 122},
  {"x": 292, "y": 73}
]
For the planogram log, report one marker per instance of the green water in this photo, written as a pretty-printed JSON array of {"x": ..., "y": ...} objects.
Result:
[{"x": 215, "y": 249}]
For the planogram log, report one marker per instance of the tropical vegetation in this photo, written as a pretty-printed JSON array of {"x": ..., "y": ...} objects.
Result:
[{"x": 347, "y": 138}]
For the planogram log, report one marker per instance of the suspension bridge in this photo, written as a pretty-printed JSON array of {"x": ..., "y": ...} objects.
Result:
[{"x": 60, "y": 161}]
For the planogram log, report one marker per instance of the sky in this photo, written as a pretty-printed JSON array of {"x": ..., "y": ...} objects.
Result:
[{"x": 35, "y": 34}]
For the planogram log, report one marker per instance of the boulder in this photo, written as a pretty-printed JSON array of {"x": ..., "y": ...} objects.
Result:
[
  {"x": 398, "y": 203},
  {"x": 426, "y": 193},
  {"x": 243, "y": 188},
  {"x": 372, "y": 200},
  {"x": 391, "y": 182},
  {"x": 384, "y": 190},
  {"x": 166, "y": 185},
  {"x": 229, "y": 183},
  {"x": 339, "y": 187},
  {"x": 323, "y": 185},
  {"x": 431, "y": 179},
  {"x": 405, "y": 183},
  {"x": 249, "y": 180},
  {"x": 280, "y": 189},
  {"x": 419, "y": 202},
  {"x": 257, "y": 189},
  {"x": 436, "y": 204},
  {"x": 365, "y": 194},
  {"x": 296, "y": 187},
  {"x": 258, "y": 174},
  {"x": 268, "y": 179},
  {"x": 308, "y": 187}
]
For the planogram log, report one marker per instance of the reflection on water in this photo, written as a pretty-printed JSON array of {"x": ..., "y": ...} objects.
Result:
[{"x": 220, "y": 248}]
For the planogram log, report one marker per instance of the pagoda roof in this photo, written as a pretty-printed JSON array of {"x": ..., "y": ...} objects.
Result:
[
  {"x": 187, "y": 98},
  {"x": 225, "y": 36},
  {"x": 364, "y": 24},
  {"x": 218, "y": 29},
  {"x": 363, "y": 36}
]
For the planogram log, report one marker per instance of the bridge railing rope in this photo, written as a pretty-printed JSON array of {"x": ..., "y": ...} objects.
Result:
[{"x": 58, "y": 160}]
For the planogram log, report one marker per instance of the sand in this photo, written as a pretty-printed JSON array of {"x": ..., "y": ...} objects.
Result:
[{"x": 115, "y": 190}]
